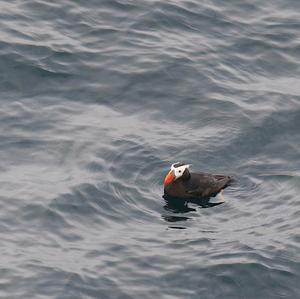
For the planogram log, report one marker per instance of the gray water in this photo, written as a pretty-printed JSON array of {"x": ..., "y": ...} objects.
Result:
[{"x": 99, "y": 98}]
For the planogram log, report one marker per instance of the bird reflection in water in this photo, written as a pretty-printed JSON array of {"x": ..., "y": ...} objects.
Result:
[{"x": 181, "y": 206}]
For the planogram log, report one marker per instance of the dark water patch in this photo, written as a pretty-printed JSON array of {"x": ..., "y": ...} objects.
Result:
[{"x": 176, "y": 227}]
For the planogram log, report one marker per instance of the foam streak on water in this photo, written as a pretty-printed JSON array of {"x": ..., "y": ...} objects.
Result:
[{"x": 97, "y": 100}]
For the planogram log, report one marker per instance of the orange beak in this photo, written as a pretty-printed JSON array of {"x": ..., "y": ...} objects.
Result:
[{"x": 169, "y": 178}]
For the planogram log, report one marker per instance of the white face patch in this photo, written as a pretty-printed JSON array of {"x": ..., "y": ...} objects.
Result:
[{"x": 179, "y": 170}]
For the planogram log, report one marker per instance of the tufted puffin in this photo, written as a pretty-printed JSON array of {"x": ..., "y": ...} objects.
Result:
[{"x": 182, "y": 183}]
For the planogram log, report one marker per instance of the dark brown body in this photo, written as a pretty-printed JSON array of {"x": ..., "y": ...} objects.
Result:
[{"x": 192, "y": 185}]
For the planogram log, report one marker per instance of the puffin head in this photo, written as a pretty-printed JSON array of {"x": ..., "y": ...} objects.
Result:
[{"x": 177, "y": 170}]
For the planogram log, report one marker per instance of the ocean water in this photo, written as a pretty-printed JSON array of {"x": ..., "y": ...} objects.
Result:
[{"x": 99, "y": 98}]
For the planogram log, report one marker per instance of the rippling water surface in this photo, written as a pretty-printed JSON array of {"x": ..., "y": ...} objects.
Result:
[{"x": 98, "y": 98}]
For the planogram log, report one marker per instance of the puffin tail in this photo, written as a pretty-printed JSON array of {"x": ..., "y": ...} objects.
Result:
[
  {"x": 231, "y": 180},
  {"x": 225, "y": 180}
]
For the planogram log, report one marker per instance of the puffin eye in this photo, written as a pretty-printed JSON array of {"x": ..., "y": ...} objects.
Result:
[{"x": 179, "y": 171}]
